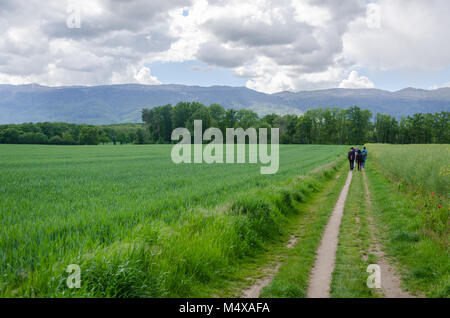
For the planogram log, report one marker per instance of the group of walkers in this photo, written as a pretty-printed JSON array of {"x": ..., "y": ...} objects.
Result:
[{"x": 358, "y": 155}]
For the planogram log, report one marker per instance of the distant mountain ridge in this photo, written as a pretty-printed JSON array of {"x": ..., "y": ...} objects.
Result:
[{"x": 109, "y": 104}]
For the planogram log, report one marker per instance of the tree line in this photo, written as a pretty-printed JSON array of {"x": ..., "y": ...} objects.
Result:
[
  {"x": 71, "y": 134},
  {"x": 317, "y": 126}
]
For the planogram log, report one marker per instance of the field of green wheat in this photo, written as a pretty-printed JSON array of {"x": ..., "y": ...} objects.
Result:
[
  {"x": 424, "y": 167},
  {"x": 138, "y": 224}
]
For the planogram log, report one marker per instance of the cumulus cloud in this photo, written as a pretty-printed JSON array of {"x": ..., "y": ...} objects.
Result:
[
  {"x": 217, "y": 54},
  {"x": 276, "y": 44},
  {"x": 356, "y": 81},
  {"x": 144, "y": 76}
]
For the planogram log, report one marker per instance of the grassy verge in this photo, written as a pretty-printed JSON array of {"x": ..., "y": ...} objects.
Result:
[
  {"x": 353, "y": 254},
  {"x": 194, "y": 257},
  {"x": 414, "y": 231},
  {"x": 292, "y": 277}
]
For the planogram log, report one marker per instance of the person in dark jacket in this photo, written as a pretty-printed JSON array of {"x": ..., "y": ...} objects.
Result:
[
  {"x": 359, "y": 159},
  {"x": 364, "y": 153},
  {"x": 351, "y": 158}
]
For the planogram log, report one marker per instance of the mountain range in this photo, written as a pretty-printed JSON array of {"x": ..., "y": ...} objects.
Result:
[{"x": 111, "y": 104}]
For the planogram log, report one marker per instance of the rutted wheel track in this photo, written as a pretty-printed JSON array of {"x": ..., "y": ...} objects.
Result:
[
  {"x": 390, "y": 282},
  {"x": 320, "y": 279}
]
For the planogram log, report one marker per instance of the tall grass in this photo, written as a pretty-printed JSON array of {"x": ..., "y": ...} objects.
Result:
[{"x": 415, "y": 234}]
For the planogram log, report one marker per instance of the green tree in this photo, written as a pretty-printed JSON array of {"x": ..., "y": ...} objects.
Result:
[
  {"x": 121, "y": 137},
  {"x": 359, "y": 124},
  {"x": 217, "y": 114},
  {"x": 55, "y": 140},
  {"x": 140, "y": 136},
  {"x": 230, "y": 118},
  {"x": 159, "y": 122},
  {"x": 67, "y": 138},
  {"x": 88, "y": 136},
  {"x": 246, "y": 118},
  {"x": 10, "y": 136},
  {"x": 201, "y": 113},
  {"x": 270, "y": 119}
]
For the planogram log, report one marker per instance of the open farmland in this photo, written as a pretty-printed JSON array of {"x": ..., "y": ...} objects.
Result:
[{"x": 91, "y": 205}]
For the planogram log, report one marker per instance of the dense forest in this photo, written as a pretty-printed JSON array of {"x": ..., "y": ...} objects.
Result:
[
  {"x": 71, "y": 134},
  {"x": 317, "y": 126}
]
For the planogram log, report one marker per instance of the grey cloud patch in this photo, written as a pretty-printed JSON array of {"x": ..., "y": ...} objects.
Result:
[
  {"x": 216, "y": 54},
  {"x": 251, "y": 33},
  {"x": 342, "y": 11},
  {"x": 116, "y": 15},
  {"x": 205, "y": 69},
  {"x": 155, "y": 40}
]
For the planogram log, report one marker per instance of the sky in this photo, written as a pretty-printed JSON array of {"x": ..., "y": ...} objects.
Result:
[{"x": 266, "y": 45}]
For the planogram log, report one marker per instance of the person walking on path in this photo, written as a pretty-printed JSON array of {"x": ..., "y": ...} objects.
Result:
[
  {"x": 354, "y": 156},
  {"x": 351, "y": 158},
  {"x": 359, "y": 159},
  {"x": 364, "y": 153}
]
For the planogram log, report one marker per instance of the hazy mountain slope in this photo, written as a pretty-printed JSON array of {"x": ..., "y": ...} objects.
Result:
[
  {"x": 405, "y": 102},
  {"x": 123, "y": 103}
]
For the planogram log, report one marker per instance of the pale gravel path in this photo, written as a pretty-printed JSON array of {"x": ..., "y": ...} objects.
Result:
[
  {"x": 320, "y": 278},
  {"x": 390, "y": 282}
]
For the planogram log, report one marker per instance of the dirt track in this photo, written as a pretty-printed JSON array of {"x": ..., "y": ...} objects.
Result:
[
  {"x": 320, "y": 279},
  {"x": 321, "y": 274}
]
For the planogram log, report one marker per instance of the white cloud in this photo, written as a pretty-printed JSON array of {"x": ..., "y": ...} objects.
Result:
[
  {"x": 313, "y": 15},
  {"x": 131, "y": 74},
  {"x": 267, "y": 76},
  {"x": 356, "y": 81},
  {"x": 144, "y": 76}
]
